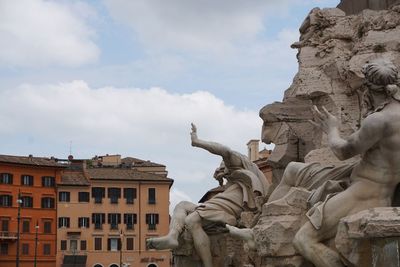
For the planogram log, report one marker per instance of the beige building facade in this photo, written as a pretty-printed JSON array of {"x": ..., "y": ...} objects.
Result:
[{"x": 106, "y": 213}]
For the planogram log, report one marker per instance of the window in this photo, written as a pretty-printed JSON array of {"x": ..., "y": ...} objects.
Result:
[
  {"x": 5, "y": 200},
  {"x": 3, "y": 248},
  {"x": 129, "y": 243},
  {"x": 27, "y": 202},
  {"x": 63, "y": 245},
  {"x": 63, "y": 196},
  {"x": 114, "y": 219},
  {"x": 27, "y": 180},
  {"x": 98, "y": 220},
  {"x": 6, "y": 178},
  {"x": 114, "y": 194},
  {"x": 83, "y": 196},
  {"x": 48, "y": 181},
  {"x": 130, "y": 219},
  {"x": 83, "y": 222},
  {"x": 129, "y": 195},
  {"x": 5, "y": 225},
  {"x": 63, "y": 222},
  {"x": 113, "y": 244},
  {"x": 25, "y": 249},
  {"x": 47, "y": 227},
  {"x": 98, "y": 243},
  {"x": 152, "y": 220},
  {"x": 26, "y": 226},
  {"x": 83, "y": 244},
  {"x": 46, "y": 249},
  {"x": 98, "y": 193},
  {"x": 73, "y": 245},
  {"x": 48, "y": 203},
  {"x": 152, "y": 196}
]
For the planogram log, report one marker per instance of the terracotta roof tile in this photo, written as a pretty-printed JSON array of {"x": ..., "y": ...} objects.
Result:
[
  {"x": 135, "y": 162},
  {"x": 74, "y": 178},
  {"x": 124, "y": 174},
  {"x": 30, "y": 160}
]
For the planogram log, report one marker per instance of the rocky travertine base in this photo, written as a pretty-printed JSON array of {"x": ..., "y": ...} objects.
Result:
[
  {"x": 226, "y": 250},
  {"x": 274, "y": 232},
  {"x": 370, "y": 237}
]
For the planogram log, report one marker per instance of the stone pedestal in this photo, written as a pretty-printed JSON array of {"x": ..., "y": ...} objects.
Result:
[
  {"x": 274, "y": 232},
  {"x": 370, "y": 238},
  {"x": 226, "y": 252}
]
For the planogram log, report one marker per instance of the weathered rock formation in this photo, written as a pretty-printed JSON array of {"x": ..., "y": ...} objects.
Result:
[
  {"x": 332, "y": 49},
  {"x": 356, "y": 6},
  {"x": 274, "y": 232},
  {"x": 370, "y": 238}
]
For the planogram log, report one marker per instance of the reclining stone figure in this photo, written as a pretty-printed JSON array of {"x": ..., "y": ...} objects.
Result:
[
  {"x": 373, "y": 179},
  {"x": 246, "y": 189}
]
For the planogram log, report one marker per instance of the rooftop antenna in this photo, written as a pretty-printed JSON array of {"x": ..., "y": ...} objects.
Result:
[{"x": 70, "y": 147}]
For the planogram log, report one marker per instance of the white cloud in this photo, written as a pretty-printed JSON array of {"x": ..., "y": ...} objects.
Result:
[
  {"x": 212, "y": 26},
  {"x": 41, "y": 33},
  {"x": 145, "y": 123}
]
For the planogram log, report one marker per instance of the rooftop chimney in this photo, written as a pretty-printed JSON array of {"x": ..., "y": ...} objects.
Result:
[{"x": 253, "y": 149}]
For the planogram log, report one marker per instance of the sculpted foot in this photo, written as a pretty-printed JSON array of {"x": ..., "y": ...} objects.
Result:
[
  {"x": 245, "y": 234},
  {"x": 164, "y": 242}
]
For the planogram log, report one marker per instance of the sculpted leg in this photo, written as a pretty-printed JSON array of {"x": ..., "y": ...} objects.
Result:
[
  {"x": 288, "y": 181},
  {"x": 308, "y": 240},
  {"x": 200, "y": 238},
  {"x": 245, "y": 234},
  {"x": 170, "y": 241}
]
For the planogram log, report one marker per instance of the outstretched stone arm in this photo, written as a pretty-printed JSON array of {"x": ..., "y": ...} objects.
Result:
[
  {"x": 371, "y": 131},
  {"x": 212, "y": 147}
]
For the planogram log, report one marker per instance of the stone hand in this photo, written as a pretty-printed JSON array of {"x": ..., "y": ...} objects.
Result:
[
  {"x": 324, "y": 120},
  {"x": 193, "y": 133}
]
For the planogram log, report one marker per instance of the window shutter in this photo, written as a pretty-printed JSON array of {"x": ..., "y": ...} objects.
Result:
[
  {"x": 11, "y": 178},
  {"x": 135, "y": 218},
  {"x": 1, "y": 199},
  {"x": 156, "y": 218},
  {"x": 43, "y": 180},
  {"x": 125, "y": 218},
  {"x": 52, "y": 202},
  {"x": 67, "y": 222},
  {"x": 59, "y": 222},
  {"x": 119, "y": 218},
  {"x": 108, "y": 244},
  {"x": 152, "y": 196},
  {"x": 119, "y": 243},
  {"x": 109, "y": 218},
  {"x": 68, "y": 197},
  {"x": 93, "y": 217},
  {"x": 147, "y": 218},
  {"x": 103, "y": 218},
  {"x": 79, "y": 222},
  {"x": 43, "y": 202}
]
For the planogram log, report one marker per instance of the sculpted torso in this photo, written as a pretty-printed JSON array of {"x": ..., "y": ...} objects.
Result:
[{"x": 379, "y": 170}]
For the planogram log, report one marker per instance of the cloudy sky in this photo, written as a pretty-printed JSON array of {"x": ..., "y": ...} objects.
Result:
[{"x": 128, "y": 76}]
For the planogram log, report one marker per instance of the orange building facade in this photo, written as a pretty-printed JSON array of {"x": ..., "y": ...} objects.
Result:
[
  {"x": 33, "y": 181},
  {"x": 107, "y": 210}
]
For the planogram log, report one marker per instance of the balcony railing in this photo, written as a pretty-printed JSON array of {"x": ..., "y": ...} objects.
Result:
[{"x": 6, "y": 235}]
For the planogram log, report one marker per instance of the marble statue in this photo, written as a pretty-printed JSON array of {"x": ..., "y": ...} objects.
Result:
[
  {"x": 373, "y": 179},
  {"x": 352, "y": 187},
  {"x": 246, "y": 189}
]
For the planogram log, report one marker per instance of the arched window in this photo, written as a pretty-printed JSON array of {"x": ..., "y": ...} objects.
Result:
[
  {"x": 152, "y": 265},
  {"x": 97, "y": 265},
  {"x": 114, "y": 265}
]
